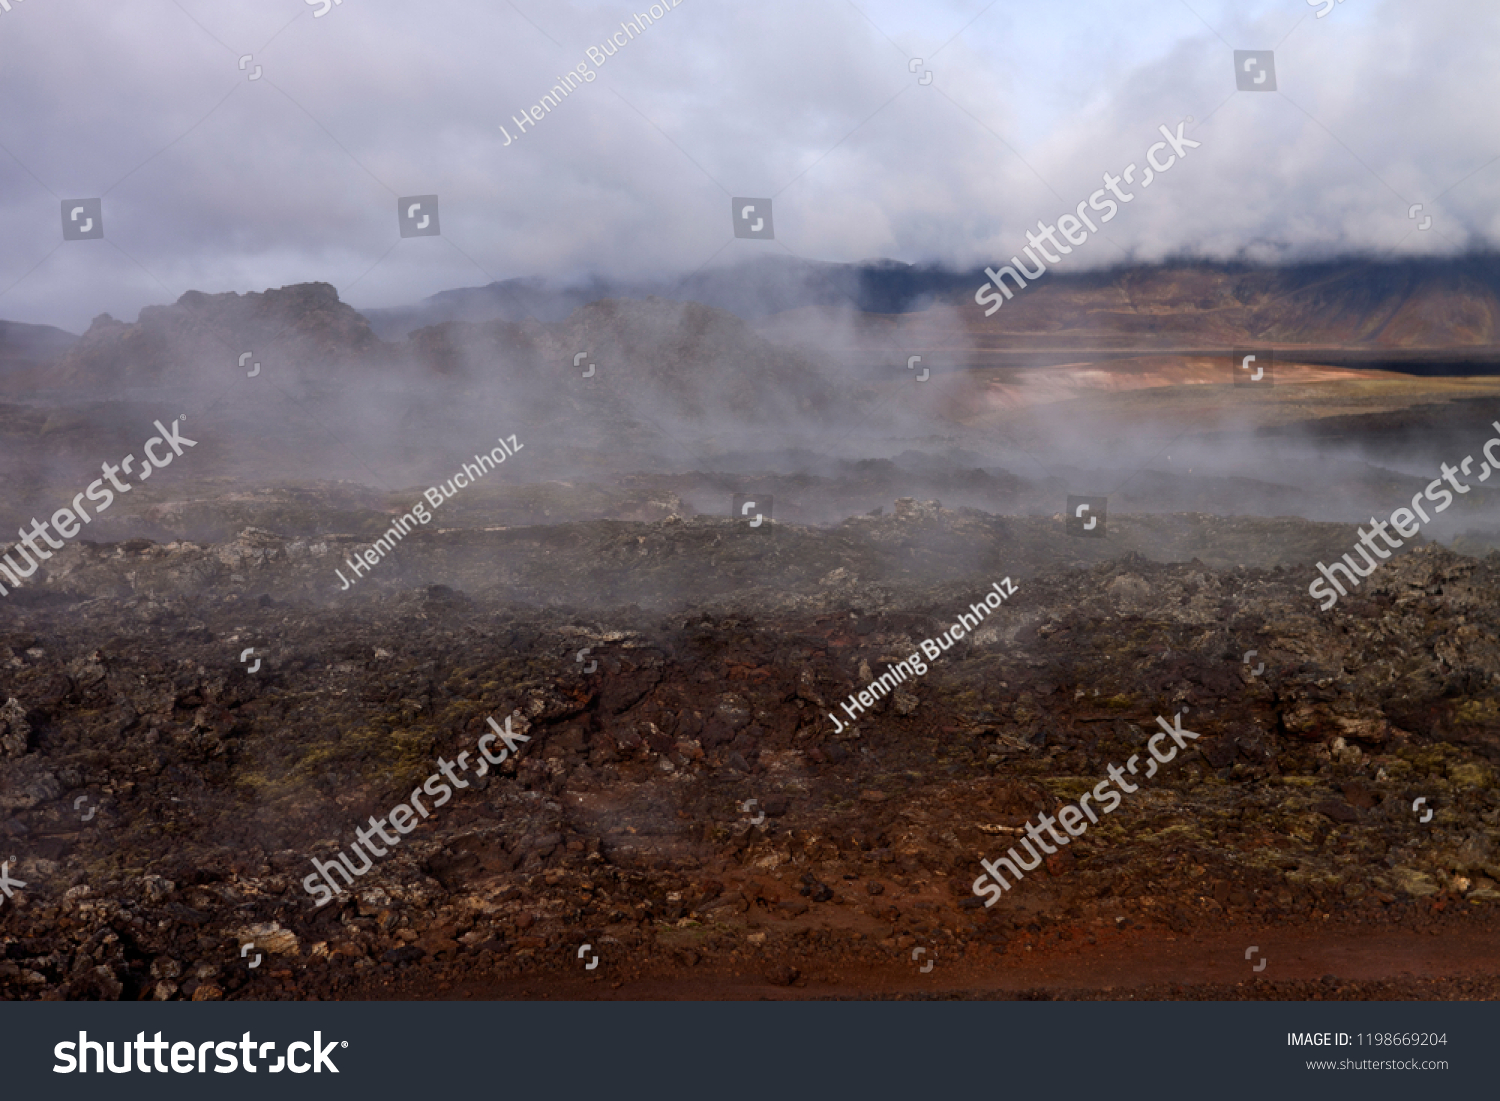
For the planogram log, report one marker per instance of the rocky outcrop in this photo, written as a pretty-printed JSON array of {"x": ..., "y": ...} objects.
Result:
[
  {"x": 682, "y": 802},
  {"x": 302, "y": 330}
]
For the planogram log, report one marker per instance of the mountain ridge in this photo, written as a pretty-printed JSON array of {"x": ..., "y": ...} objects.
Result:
[{"x": 1352, "y": 312}]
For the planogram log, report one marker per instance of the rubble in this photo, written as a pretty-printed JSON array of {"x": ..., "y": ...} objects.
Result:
[{"x": 623, "y": 823}]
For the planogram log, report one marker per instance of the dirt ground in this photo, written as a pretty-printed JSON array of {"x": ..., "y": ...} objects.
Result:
[{"x": 163, "y": 803}]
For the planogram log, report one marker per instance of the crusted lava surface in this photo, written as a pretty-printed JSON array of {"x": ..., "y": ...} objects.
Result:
[{"x": 684, "y": 818}]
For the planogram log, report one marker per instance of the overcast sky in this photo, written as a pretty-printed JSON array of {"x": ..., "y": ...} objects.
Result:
[{"x": 213, "y": 181}]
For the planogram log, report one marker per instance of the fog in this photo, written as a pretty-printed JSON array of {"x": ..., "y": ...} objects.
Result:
[{"x": 214, "y": 181}]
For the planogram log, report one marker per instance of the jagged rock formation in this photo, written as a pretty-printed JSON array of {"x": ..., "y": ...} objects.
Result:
[{"x": 198, "y": 340}]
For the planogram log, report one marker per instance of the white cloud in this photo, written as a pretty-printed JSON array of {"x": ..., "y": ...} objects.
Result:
[{"x": 295, "y": 177}]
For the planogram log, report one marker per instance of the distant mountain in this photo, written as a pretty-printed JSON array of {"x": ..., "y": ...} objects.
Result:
[
  {"x": 201, "y": 337},
  {"x": 650, "y": 358},
  {"x": 1381, "y": 306},
  {"x": 722, "y": 336},
  {"x": 1428, "y": 317},
  {"x": 1402, "y": 304},
  {"x": 24, "y": 346},
  {"x": 750, "y": 291},
  {"x": 655, "y": 360}
]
